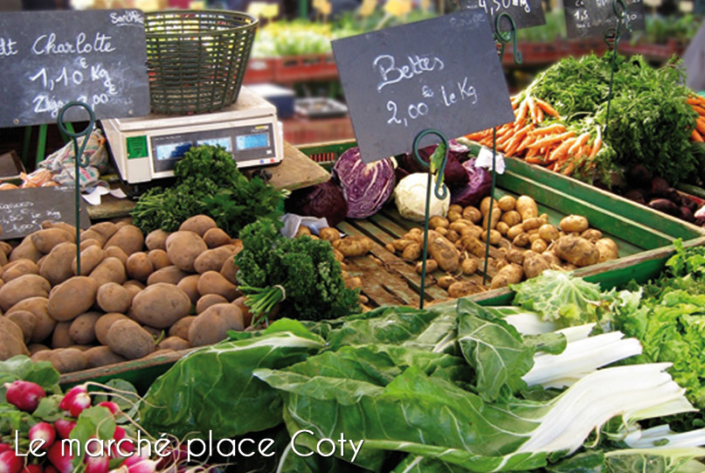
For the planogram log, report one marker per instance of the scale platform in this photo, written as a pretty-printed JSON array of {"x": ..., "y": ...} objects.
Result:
[{"x": 148, "y": 148}]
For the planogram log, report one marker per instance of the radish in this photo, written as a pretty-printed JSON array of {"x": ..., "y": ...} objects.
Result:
[
  {"x": 119, "y": 433},
  {"x": 97, "y": 464},
  {"x": 111, "y": 406},
  {"x": 64, "y": 427},
  {"x": 145, "y": 466},
  {"x": 50, "y": 469},
  {"x": 33, "y": 469},
  {"x": 63, "y": 463},
  {"x": 5, "y": 447},
  {"x": 24, "y": 395},
  {"x": 45, "y": 432},
  {"x": 75, "y": 401},
  {"x": 10, "y": 463}
]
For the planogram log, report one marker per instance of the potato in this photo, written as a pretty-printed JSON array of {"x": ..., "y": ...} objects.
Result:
[
  {"x": 91, "y": 257},
  {"x": 527, "y": 208},
  {"x": 511, "y": 218},
  {"x": 531, "y": 224},
  {"x": 109, "y": 270},
  {"x": 303, "y": 230},
  {"x": 455, "y": 208},
  {"x": 215, "y": 237},
  {"x": 548, "y": 232},
  {"x": 189, "y": 285},
  {"x": 608, "y": 250},
  {"x": 40, "y": 356},
  {"x": 93, "y": 235},
  {"x": 472, "y": 213},
  {"x": 71, "y": 298},
  {"x": 515, "y": 256},
  {"x": 113, "y": 297},
  {"x": 241, "y": 303},
  {"x": 353, "y": 283},
  {"x": 90, "y": 242},
  {"x": 56, "y": 268},
  {"x": 510, "y": 274},
  {"x": 213, "y": 324},
  {"x": 26, "y": 321},
  {"x": 539, "y": 245},
  {"x": 116, "y": 252},
  {"x": 106, "y": 229},
  {"x": 521, "y": 240},
  {"x": 19, "y": 268},
  {"x": 68, "y": 360},
  {"x": 535, "y": 266},
  {"x": 11, "y": 340},
  {"x": 431, "y": 266},
  {"x": 61, "y": 338},
  {"x": 159, "y": 259},
  {"x": 496, "y": 214},
  {"x": 154, "y": 332},
  {"x": 183, "y": 247},
  {"x": 485, "y": 206},
  {"x": 445, "y": 281},
  {"x": 168, "y": 275},
  {"x": 181, "y": 327},
  {"x": 412, "y": 252},
  {"x": 160, "y": 305},
  {"x": 515, "y": 231},
  {"x": 552, "y": 259},
  {"x": 474, "y": 246},
  {"x": 104, "y": 323},
  {"x": 139, "y": 285},
  {"x": 43, "y": 323},
  {"x": 24, "y": 287},
  {"x": 353, "y": 245},
  {"x": 156, "y": 240},
  {"x": 212, "y": 282},
  {"x": 128, "y": 238},
  {"x": 102, "y": 356},
  {"x": 229, "y": 271},
  {"x": 199, "y": 225},
  {"x": 36, "y": 348},
  {"x": 212, "y": 260},
  {"x": 591, "y": 235},
  {"x": 82, "y": 329},
  {"x": 138, "y": 266},
  {"x": 46, "y": 240},
  {"x": 445, "y": 254},
  {"x": 574, "y": 223},
  {"x": 26, "y": 250},
  {"x": 5, "y": 247},
  {"x": 469, "y": 265},
  {"x": 544, "y": 218},
  {"x": 401, "y": 245},
  {"x": 464, "y": 288},
  {"x": 438, "y": 221},
  {"x": 174, "y": 343},
  {"x": 452, "y": 236},
  {"x": 472, "y": 231},
  {"x": 577, "y": 251},
  {"x": 507, "y": 203},
  {"x": 128, "y": 339},
  {"x": 495, "y": 237},
  {"x": 502, "y": 228}
]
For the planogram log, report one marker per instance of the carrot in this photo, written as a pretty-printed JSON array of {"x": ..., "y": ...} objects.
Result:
[
  {"x": 555, "y": 128},
  {"x": 523, "y": 108},
  {"x": 552, "y": 139},
  {"x": 525, "y": 143},
  {"x": 515, "y": 102},
  {"x": 532, "y": 109},
  {"x": 699, "y": 109},
  {"x": 547, "y": 108},
  {"x": 582, "y": 139},
  {"x": 568, "y": 169},
  {"x": 693, "y": 101},
  {"x": 695, "y": 136},
  {"x": 562, "y": 150},
  {"x": 534, "y": 160},
  {"x": 477, "y": 136},
  {"x": 595, "y": 148},
  {"x": 700, "y": 125},
  {"x": 533, "y": 153},
  {"x": 539, "y": 115},
  {"x": 552, "y": 166}
]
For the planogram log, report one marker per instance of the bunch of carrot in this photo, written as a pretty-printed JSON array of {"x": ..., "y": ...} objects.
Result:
[
  {"x": 548, "y": 144},
  {"x": 698, "y": 104}
]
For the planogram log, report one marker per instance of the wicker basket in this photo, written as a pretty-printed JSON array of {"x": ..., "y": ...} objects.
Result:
[{"x": 196, "y": 59}]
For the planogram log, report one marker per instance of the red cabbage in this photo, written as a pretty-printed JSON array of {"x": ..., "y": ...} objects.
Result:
[
  {"x": 478, "y": 187},
  {"x": 323, "y": 200},
  {"x": 366, "y": 187},
  {"x": 455, "y": 175}
]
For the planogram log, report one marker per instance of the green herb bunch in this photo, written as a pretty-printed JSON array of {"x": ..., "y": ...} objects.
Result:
[
  {"x": 300, "y": 274},
  {"x": 209, "y": 183}
]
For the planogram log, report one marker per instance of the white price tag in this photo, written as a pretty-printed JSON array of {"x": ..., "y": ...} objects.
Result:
[{"x": 484, "y": 160}]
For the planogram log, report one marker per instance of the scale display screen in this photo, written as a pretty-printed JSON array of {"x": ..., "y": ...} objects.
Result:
[{"x": 258, "y": 140}]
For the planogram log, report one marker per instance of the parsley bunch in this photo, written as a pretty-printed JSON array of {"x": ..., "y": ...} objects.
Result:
[
  {"x": 207, "y": 182},
  {"x": 301, "y": 275}
]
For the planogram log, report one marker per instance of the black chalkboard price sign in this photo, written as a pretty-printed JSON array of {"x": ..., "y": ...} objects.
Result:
[
  {"x": 525, "y": 13},
  {"x": 588, "y": 18},
  {"x": 22, "y": 211},
  {"x": 48, "y": 59},
  {"x": 442, "y": 73}
]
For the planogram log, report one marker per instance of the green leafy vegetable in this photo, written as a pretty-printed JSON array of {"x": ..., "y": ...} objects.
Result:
[{"x": 21, "y": 367}]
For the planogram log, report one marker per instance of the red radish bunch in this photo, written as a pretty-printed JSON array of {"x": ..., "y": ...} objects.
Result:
[
  {"x": 75, "y": 401},
  {"x": 24, "y": 395},
  {"x": 45, "y": 432},
  {"x": 10, "y": 463}
]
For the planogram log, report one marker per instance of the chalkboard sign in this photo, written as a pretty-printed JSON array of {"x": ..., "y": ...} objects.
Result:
[
  {"x": 23, "y": 210},
  {"x": 525, "y": 13},
  {"x": 442, "y": 73},
  {"x": 587, "y": 18},
  {"x": 50, "y": 58},
  {"x": 699, "y": 7}
]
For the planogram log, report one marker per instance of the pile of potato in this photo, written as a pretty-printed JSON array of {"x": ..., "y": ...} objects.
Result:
[
  {"x": 523, "y": 244},
  {"x": 133, "y": 298}
]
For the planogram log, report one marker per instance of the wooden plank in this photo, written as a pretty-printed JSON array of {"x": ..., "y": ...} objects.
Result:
[
  {"x": 296, "y": 171},
  {"x": 380, "y": 286}
]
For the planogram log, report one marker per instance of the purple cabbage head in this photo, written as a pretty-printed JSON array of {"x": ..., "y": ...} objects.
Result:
[
  {"x": 323, "y": 201},
  {"x": 479, "y": 186},
  {"x": 366, "y": 187},
  {"x": 454, "y": 174}
]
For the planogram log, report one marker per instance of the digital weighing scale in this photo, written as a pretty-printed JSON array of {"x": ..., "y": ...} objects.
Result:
[{"x": 147, "y": 148}]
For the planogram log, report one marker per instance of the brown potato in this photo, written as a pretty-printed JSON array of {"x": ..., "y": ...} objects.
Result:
[
  {"x": 472, "y": 213},
  {"x": 156, "y": 240},
  {"x": 431, "y": 266},
  {"x": 353, "y": 245},
  {"x": 445, "y": 254},
  {"x": 464, "y": 288},
  {"x": 474, "y": 246},
  {"x": 82, "y": 329},
  {"x": 401, "y": 245},
  {"x": 128, "y": 238},
  {"x": 445, "y": 281},
  {"x": 329, "y": 234},
  {"x": 539, "y": 245},
  {"x": 469, "y": 265},
  {"x": 46, "y": 240},
  {"x": 26, "y": 321},
  {"x": 138, "y": 266},
  {"x": 485, "y": 206},
  {"x": 116, "y": 252},
  {"x": 160, "y": 306},
  {"x": 189, "y": 285},
  {"x": 11, "y": 340},
  {"x": 608, "y": 250},
  {"x": 241, "y": 303},
  {"x": 574, "y": 223},
  {"x": 516, "y": 256},
  {"x": 452, "y": 236},
  {"x": 527, "y": 208},
  {"x": 61, "y": 338},
  {"x": 212, "y": 282},
  {"x": 412, "y": 252},
  {"x": 471, "y": 231},
  {"x": 109, "y": 270},
  {"x": 548, "y": 232},
  {"x": 438, "y": 221},
  {"x": 353, "y": 283},
  {"x": 56, "y": 268},
  {"x": 68, "y": 360},
  {"x": 113, "y": 297},
  {"x": 577, "y": 251},
  {"x": 302, "y": 231},
  {"x": 91, "y": 257},
  {"x": 591, "y": 235},
  {"x": 174, "y": 343},
  {"x": 455, "y": 208},
  {"x": 522, "y": 240},
  {"x": 212, "y": 260},
  {"x": 44, "y": 324},
  {"x": 24, "y": 287},
  {"x": 26, "y": 250},
  {"x": 102, "y": 356},
  {"x": 511, "y": 218},
  {"x": 535, "y": 266},
  {"x": 495, "y": 237},
  {"x": 36, "y": 348},
  {"x": 531, "y": 224},
  {"x": 19, "y": 268},
  {"x": 106, "y": 229},
  {"x": 213, "y": 324},
  {"x": 229, "y": 270},
  {"x": 183, "y": 247},
  {"x": 507, "y": 203},
  {"x": 453, "y": 216},
  {"x": 502, "y": 228},
  {"x": 128, "y": 339},
  {"x": 70, "y": 229},
  {"x": 72, "y": 298},
  {"x": 104, "y": 323},
  {"x": 458, "y": 226},
  {"x": 442, "y": 231},
  {"x": 180, "y": 328},
  {"x": 93, "y": 235},
  {"x": 159, "y": 259},
  {"x": 198, "y": 224},
  {"x": 515, "y": 231},
  {"x": 5, "y": 247},
  {"x": 496, "y": 214},
  {"x": 168, "y": 275},
  {"x": 510, "y": 274}
]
